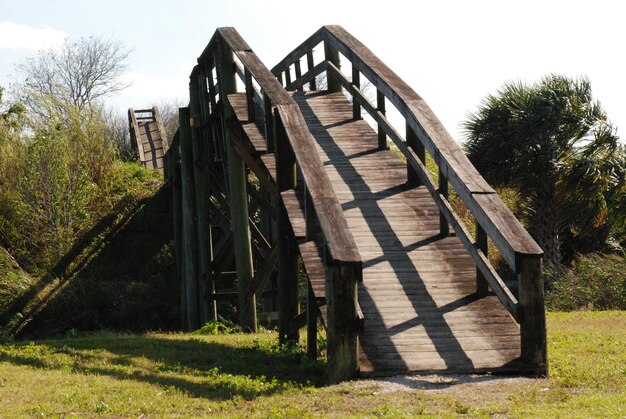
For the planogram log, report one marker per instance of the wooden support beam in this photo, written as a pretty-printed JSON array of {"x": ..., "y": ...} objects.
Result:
[
  {"x": 356, "y": 82},
  {"x": 533, "y": 315},
  {"x": 298, "y": 72},
  {"x": 310, "y": 63},
  {"x": 413, "y": 142},
  {"x": 288, "y": 306},
  {"x": 380, "y": 107},
  {"x": 269, "y": 122},
  {"x": 177, "y": 202},
  {"x": 311, "y": 322},
  {"x": 343, "y": 322},
  {"x": 332, "y": 55},
  {"x": 249, "y": 95},
  {"x": 238, "y": 197},
  {"x": 444, "y": 227},
  {"x": 482, "y": 287},
  {"x": 190, "y": 240},
  {"x": 201, "y": 186}
]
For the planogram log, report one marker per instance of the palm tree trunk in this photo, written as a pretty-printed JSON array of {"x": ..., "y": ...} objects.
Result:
[{"x": 545, "y": 224}]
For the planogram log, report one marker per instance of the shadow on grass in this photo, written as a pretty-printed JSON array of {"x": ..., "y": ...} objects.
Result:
[
  {"x": 198, "y": 367},
  {"x": 119, "y": 275}
]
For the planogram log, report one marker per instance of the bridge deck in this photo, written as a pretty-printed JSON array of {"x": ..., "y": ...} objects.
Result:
[{"x": 417, "y": 295}]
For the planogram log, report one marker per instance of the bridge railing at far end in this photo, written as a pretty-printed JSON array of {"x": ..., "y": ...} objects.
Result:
[{"x": 425, "y": 133}]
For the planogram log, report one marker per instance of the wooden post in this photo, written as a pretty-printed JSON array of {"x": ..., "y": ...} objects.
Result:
[
  {"x": 311, "y": 323},
  {"x": 533, "y": 315},
  {"x": 201, "y": 185},
  {"x": 269, "y": 123},
  {"x": 444, "y": 227},
  {"x": 342, "y": 332},
  {"x": 288, "y": 307},
  {"x": 249, "y": 94},
  {"x": 412, "y": 141},
  {"x": 238, "y": 198},
  {"x": 298, "y": 73},
  {"x": 189, "y": 233},
  {"x": 482, "y": 288},
  {"x": 177, "y": 202},
  {"x": 310, "y": 64},
  {"x": 332, "y": 55},
  {"x": 356, "y": 82},
  {"x": 382, "y": 135}
]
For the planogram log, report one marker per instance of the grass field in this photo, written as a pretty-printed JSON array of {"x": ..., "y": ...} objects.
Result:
[{"x": 248, "y": 375}]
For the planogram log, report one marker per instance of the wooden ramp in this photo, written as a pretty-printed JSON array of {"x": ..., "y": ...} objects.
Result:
[
  {"x": 147, "y": 133},
  {"x": 418, "y": 290},
  {"x": 398, "y": 279}
]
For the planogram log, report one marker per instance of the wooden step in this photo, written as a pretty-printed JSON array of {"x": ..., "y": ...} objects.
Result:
[{"x": 294, "y": 204}]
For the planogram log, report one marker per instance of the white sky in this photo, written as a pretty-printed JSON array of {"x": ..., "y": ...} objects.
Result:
[{"x": 453, "y": 53}]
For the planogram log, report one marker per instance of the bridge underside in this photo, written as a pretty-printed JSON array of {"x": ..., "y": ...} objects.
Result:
[{"x": 418, "y": 291}]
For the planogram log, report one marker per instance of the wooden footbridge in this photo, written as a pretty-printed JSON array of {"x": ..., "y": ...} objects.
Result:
[{"x": 273, "y": 174}]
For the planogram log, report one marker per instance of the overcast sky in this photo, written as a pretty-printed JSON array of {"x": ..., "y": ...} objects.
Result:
[{"x": 453, "y": 53}]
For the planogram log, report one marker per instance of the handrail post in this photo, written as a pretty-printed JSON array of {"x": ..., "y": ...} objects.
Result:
[
  {"x": 356, "y": 82},
  {"x": 482, "y": 288},
  {"x": 269, "y": 123},
  {"x": 238, "y": 196},
  {"x": 534, "y": 342},
  {"x": 380, "y": 107},
  {"x": 444, "y": 227},
  {"x": 310, "y": 64},
  {"x": 189, "y": 230},
  {"x": 342, "y": 335},
  {"x": 201, "y": 185},
  {"x": 298, "y": 73},
  {"x": 413, "y": 142},
  {"x": 311, "y": 303},
  {"x": 331, "y": 54},
  {"x": 288, "y": 307},
  {"x": 249, "y": 95}
]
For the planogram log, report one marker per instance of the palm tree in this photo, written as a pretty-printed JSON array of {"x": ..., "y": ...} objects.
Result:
[{"x": 553, "y": 143}]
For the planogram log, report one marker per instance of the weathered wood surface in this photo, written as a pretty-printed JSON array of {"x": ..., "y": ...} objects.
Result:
[{"x": 418, "y": 290}]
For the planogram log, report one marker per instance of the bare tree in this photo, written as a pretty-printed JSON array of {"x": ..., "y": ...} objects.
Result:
[{"x": 76, "y": 75}]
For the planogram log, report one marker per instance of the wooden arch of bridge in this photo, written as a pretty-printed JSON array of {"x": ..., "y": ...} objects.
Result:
[{"x": 267, "y": 168}]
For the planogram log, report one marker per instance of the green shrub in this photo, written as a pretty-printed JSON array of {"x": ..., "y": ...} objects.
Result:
[{"x": 594, "y": 281}]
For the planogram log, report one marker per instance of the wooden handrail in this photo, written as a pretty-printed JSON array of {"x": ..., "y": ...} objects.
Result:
[{"x": 508, "y": 235}]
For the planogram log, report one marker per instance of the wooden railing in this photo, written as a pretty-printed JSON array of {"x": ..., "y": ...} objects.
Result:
[
  {"x": 210, "y": 114},
  {"x": 424, "y": 132}
]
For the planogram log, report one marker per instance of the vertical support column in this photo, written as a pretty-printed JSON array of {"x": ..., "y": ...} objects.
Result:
[
  {"x": 238, "y": 198},
  {"x": 356, "y": 82},
  {"x": 533, "y": 315},
  {"x": 288, "y": 255},
  {"x": 412, "y": 141},
  {"x": 269, "y": 123},
  {"x": 249, "y": 95},
  {"x": 201, "y": 186},
  {"x": 298, "y": 73},
  {"x": 380, "y": 106},
  {"x": 177, "y": 202},
  {"x": 331, "y": 54},
  {"x": 287, "y": 77},
  {"x": 482, "y": 287},
  {"x": 189, "y": 236},
  {"x": 311, "y": 303},
  {"x": 342, "y": 332},
  {"x": 310, "y": 64},
  {"x": 444, "y": 227}
]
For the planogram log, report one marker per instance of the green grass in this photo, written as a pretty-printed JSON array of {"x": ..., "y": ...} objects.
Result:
[{"x": 249, "y": 375}]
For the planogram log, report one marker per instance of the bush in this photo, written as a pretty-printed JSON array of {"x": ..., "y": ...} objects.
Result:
[{"x": 594, "y": 281}]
